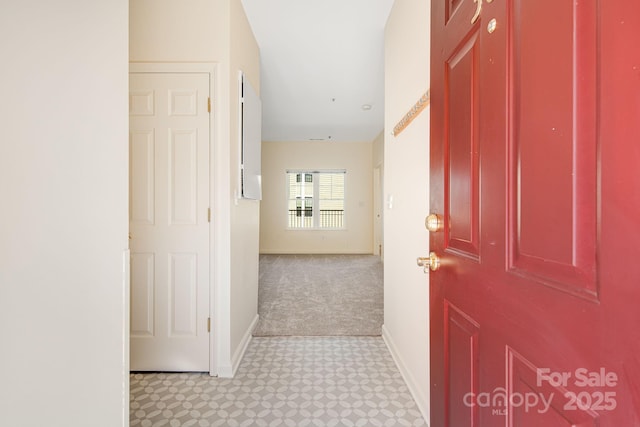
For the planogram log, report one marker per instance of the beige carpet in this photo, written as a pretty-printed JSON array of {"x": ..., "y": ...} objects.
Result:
[{"x": 320, "y": 295}]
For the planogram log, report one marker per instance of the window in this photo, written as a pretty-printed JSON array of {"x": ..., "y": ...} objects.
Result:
[{"x": 316, "y": 199}]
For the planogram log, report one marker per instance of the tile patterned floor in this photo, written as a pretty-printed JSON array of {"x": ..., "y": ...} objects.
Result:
[{"x": 284, "y": 381}]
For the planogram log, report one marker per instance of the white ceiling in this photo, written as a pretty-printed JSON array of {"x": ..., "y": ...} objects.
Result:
[{"x": 321, "y": 61}]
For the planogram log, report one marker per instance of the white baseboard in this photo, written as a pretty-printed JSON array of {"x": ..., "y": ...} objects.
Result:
[
  {"x": 421, "y": 400},
  {"x": 229, "y": 371}
]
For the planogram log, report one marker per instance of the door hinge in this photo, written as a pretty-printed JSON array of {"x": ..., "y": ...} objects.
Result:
[
  {"x": 208, "y": 105},
  {"x": 208, "y": 214},
  {"x": 208, "y": 324}
]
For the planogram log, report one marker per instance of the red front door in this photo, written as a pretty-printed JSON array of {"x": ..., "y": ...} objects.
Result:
[{"x": 535, "y": 173}]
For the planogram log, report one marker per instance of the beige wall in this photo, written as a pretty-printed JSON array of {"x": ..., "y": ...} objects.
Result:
[
  {"x": 406, "y": 161},
  {"x": 64, "y": 217},
  {"x": 167, "y": 31},
  {"x": 378, "y": 150},
  {"x": 245, "y": 214},
  {"x": 215, "y": 32},
  {"x": 355, "y": 158}
]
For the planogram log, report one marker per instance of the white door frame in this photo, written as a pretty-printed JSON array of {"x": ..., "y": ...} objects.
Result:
[
  {"x": 378, "y": 212},
  {"x": 217, "y": 270}
]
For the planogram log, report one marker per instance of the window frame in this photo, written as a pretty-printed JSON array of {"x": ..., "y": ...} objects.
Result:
[{"x": 315, "y": 199}]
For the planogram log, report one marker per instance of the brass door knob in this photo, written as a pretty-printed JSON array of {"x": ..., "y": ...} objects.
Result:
[
  {"x": 433, "y": 223},
  {"x": 434, "y": 261}
]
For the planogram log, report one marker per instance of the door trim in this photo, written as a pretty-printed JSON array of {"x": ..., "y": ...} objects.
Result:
[{"x": 217, "y": 271}]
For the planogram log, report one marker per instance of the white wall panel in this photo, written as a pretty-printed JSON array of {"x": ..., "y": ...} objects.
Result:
[
  {"x": 183, "y": 152},
  {"x": 406, "y": 183},
  {"x": 142, "y": 294},
  {"x": 64, "y": 217},
  {"x": 183, "y": 103},
  {"x": 183, "y": 285},
  {"x": 142, "y": 177},
  {"x": 142, "y": 103}
]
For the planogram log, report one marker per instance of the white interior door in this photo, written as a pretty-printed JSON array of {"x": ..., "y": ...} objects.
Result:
[{"x": 169, "y": 221}]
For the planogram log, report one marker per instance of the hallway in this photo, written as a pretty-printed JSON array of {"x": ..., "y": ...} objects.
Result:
[{"x": 288, "y": 381}]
